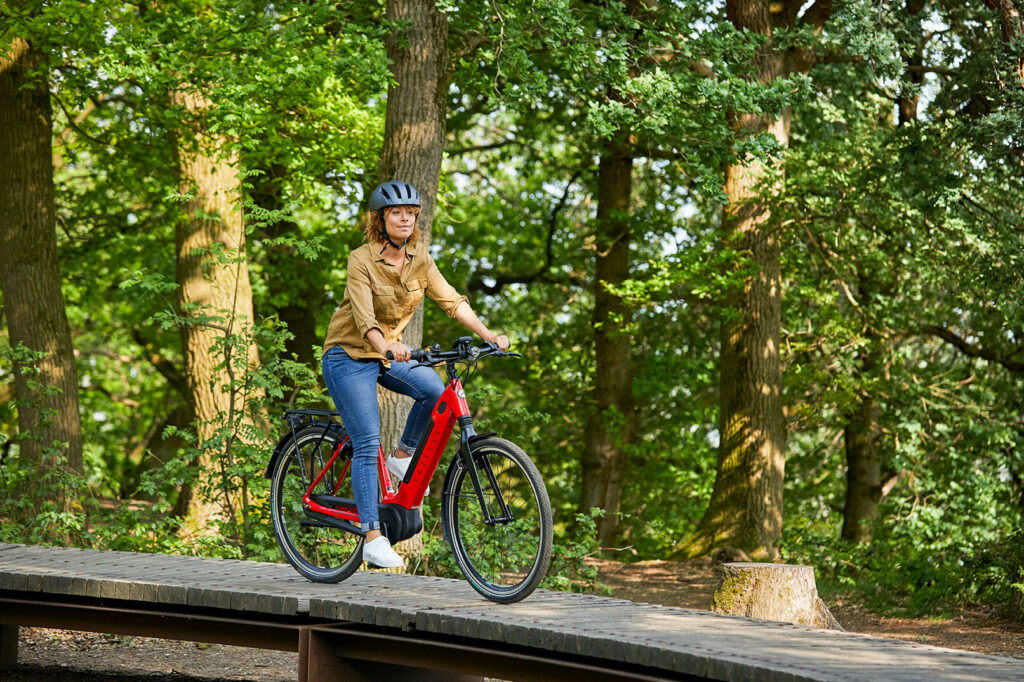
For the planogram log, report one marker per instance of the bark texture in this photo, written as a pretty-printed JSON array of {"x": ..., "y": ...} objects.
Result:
[
  {"x": 745, "y": 510},
  {"x": 48, "y": 419},
  {"x": 611, "y": 423},
  {"x": 778, "y": 592},
  {"x": 414, "y": 128},
  {"x": 208, "y": 171},
  {"x": 861, "y": 436},
  {"x": 746, "y": 503}
]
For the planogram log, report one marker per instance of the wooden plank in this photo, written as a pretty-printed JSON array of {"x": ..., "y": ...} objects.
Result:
[{"x": 680, "y": 641}]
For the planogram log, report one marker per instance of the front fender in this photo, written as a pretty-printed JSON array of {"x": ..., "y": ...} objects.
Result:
[{"x": 453, "y": 470}]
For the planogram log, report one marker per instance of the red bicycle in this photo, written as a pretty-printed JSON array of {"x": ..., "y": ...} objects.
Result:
[{"x": 495, "y": 512}]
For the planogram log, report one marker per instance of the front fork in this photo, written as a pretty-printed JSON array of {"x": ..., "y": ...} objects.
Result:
[{"x": 467, "y": 435}]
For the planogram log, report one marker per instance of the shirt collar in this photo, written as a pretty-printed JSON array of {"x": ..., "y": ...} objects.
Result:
[{"x": 410, "y": 251}]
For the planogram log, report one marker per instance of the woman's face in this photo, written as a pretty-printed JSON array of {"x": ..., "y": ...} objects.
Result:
[{"x": 400, "y": 221}]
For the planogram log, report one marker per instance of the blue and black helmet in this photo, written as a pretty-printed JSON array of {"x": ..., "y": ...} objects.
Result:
[{"x": 393, "y": 193}]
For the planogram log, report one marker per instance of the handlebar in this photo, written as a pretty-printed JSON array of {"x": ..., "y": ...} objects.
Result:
[{"x": 463, "y": 349}]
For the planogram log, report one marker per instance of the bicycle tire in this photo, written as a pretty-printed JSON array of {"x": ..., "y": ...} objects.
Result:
[
  {"x": 321, "y": 553},
  {"x": 505, "y": 561}
]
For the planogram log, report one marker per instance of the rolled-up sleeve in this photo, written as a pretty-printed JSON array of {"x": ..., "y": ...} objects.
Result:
[
  {"x": 361, "y": 296},
  {"x": 442, "y": 293}
]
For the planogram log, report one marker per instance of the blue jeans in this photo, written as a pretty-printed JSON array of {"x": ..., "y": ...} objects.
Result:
[{"x": 353, "y": 387}]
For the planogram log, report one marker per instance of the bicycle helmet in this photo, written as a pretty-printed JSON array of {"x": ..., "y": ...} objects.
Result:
[
  {"x": 388, "y": 194},
  {"x": 393, "y": 193}
]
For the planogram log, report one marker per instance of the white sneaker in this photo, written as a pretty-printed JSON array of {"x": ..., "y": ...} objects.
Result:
[
  {"x": 397, "y": 466},
  {"x": 379, "y": 553}
]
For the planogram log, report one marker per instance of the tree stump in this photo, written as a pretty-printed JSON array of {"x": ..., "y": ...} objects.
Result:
[{"x": 778, "y": 592}]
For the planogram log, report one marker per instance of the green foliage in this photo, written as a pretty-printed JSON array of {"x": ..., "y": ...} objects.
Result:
[
  {"x": 569, "y": 570},
  {"x": 888, "y": 228}
]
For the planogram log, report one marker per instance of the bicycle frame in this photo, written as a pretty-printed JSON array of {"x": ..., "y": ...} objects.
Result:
[{"x": 450, "y": 408}]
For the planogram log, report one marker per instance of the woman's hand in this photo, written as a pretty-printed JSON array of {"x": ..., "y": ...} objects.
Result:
[
  {"x": 501, "y": 340},
  {"x": 401, "y": 351}
]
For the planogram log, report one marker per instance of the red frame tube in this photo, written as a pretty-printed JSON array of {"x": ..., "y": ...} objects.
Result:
[{"x": 449, "y": 407}]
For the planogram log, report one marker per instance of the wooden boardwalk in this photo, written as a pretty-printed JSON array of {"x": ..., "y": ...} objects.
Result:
[{"x": 660, "y": 642}]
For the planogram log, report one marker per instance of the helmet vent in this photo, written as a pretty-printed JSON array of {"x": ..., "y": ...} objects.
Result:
[
  {"x": 398, "y": 191},
  {"x": 385, "y": 193}
]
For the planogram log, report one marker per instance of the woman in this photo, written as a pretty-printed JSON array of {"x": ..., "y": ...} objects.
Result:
[{"x": 387, "y": 278}]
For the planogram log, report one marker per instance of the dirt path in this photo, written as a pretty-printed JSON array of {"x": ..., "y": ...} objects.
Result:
[
  {"x": 46, "y": 655},
  {"x": 66, "y": 656}
]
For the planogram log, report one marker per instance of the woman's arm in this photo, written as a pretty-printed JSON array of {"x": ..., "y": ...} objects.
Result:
[
  {"x": 400, "y": 351},
  {"x": 464, "y": 314}
]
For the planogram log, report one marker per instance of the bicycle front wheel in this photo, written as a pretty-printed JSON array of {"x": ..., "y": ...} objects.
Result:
[
  {"x": 319, "y": 552},
  {"x": 502, "y": 542}
]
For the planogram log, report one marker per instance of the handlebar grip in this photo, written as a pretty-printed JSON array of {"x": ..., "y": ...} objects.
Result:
[
  {"x": 388, "y": 355},
  {"x": 419, "y": 355}
]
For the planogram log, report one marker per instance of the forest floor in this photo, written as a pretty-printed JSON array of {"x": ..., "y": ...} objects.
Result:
[
  {"x": 692, "y": 585},
  {"x": 62, "y": 655}
]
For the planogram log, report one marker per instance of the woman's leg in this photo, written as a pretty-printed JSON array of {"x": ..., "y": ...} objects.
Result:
[
  {"x": 353, "y": 387},
  {"x": 424, "y": 387}
]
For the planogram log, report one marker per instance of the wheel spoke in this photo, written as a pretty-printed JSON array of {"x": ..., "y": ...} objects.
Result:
[
  {"x": 504, "y": 561},
  {"x": 317, "y": 551}
]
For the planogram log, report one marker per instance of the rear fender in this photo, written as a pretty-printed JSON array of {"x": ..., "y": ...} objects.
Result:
[{"x": 338, "y": 435}]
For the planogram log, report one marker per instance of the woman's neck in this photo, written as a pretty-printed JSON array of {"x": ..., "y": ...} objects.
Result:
[{"x": 395, "y": 256}]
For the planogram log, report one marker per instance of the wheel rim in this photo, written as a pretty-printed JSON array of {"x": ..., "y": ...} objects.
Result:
[
  {"x": 504, "y": 557},
  {"x": 320, "y": 549}
]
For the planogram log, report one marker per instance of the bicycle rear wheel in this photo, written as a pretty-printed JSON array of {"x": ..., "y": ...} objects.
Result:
[
  {"x": 319, "y": 552},
  {"x": 503, "y": 559}
]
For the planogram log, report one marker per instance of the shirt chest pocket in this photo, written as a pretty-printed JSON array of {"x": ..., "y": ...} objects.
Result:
[
  {"x": 386, "y": 303},
  {"x": 413, "y": 293}
]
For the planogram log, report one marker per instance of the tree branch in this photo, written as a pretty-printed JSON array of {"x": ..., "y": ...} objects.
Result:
[
  {"x": 971, "y": 349},
  {"x": 1012, "y": 26},
  {"x": 73, "y": 121},
  {"x": 471, "y": 42},
  {"x": 482, "y": 147},
  {"x": 817, "y": 14},
  {"x": 167, "y": 369},
  {"x": 923, "y": 68},
  {"x": 542, "y": 274}
]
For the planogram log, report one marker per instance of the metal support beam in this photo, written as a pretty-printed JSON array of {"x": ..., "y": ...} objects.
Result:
[
  {"x": 322, "y": 661},
  {"x": 336, "y": 652},
  {"x": 164, "y": 623},
  {"x": 8, "y": 646}
]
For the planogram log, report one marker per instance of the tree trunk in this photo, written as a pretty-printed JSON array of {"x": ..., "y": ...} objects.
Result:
[
  {"x": 862, "y": 434},
  {"x": 611, "y": 423},
  {"x": 745, "y": 510},
  {"x": 47, "y": 389},
  {"x": 414, "y": 128},
  {"x": 778, "y": 592},
  {"x": 210, "y": 287}
]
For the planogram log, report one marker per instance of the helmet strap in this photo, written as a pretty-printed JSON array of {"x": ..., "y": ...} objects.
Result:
[{"x": 387, "y": 237}]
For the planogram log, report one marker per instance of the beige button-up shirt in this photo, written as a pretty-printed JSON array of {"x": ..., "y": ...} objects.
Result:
[{"x": 376, "y": 296}]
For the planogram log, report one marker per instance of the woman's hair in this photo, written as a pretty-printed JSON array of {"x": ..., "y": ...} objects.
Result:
[{"x": 375, "y": 227}]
